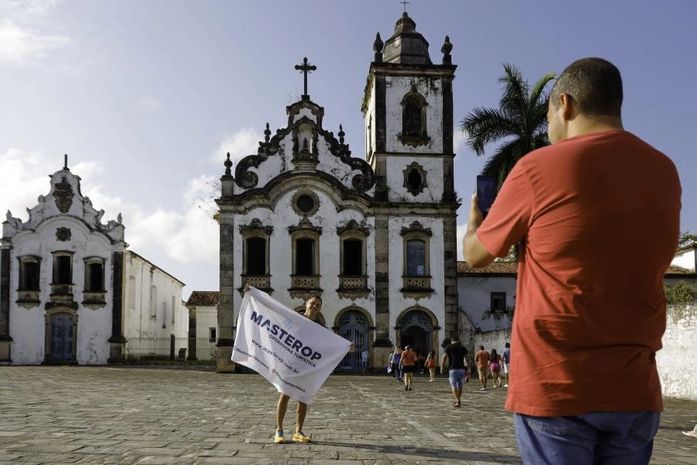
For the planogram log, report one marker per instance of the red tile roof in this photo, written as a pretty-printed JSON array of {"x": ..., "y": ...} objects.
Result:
[
  {"x": 495, "y": 268},
  {"x": 204, "y": 298}
]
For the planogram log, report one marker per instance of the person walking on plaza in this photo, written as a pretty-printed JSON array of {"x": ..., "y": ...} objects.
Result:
[
  {"x": 395, "y": 357},
  {"x": 313, "y": 305},
  {"x": 365, "y": 356},
  {"x": 455, "y": 357},
  {"x": 408, "y": 366},
  {"x": 481, "y": 359},
  {"x": 430, "y": 365},
  {"x": 495, "y": 368},
  {"x": 506, "y": 362},
  {"x": 597, "y": 219}
]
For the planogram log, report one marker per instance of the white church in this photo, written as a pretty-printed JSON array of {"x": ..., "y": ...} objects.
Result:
[
  {"x": 72, "y": 293},
  {"x": 373, "y": 235}
]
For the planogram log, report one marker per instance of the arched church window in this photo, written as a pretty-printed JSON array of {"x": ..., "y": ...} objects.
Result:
[
  {"x": 416, "y": 258},
  {"x": 414, "y": 119},
  {"x": 256, "y": 239}
]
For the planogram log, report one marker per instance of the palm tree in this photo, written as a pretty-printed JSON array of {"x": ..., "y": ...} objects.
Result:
[{"x": 521, "y": 120}]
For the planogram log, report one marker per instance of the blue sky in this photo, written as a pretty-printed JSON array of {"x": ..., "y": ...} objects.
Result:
[{"x": 146, "y": 96}]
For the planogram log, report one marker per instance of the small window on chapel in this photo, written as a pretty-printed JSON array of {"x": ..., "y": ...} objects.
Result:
[
  {"x": 305, "y": 257},
  {"x": 498, "y": 301},
  {"x": 62, "y": 269},
  {"x": 412, "y": 120},
  {"x": 29, "y": 273},
  {"x": 212, "y": 336},
  {"x": 353, "y": 257},
  {"x": 94, "y": 276}
]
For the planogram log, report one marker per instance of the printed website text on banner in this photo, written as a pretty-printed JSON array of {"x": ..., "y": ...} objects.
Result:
[{"x": 292, "y": 352}]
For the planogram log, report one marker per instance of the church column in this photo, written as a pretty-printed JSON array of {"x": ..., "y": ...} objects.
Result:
[
  {"x": 5, "y": 339},
  {"x": 382, "y": 345},
  {"x": 450, "y": 273},
  {"x": 117, "y": 342},
  {"x": 225, "y": 304}
]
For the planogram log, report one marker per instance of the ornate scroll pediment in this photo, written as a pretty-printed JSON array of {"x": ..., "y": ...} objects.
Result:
[
  {"x": 416, "y": 227},
  {"x": 63, "y": 195},
  {"x": 353, "y": 225},
  {"x": 255, "y": 225}
]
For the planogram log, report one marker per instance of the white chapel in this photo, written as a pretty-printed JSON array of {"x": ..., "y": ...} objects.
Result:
[{"x": 72, "y": 293}]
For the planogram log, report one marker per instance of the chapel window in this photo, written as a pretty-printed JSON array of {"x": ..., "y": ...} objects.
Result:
[
  {"x": 29, "y": 273},
  {"x": 94, "y": 275},
  {"x": 62, "y": 269},
  {"x": 498, "y": 301},
  {"x": 412, "y": 119},
  {"x": 212, "y": 336}
]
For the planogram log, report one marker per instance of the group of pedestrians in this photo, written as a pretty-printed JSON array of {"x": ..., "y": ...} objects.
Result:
[
  {"x": 402, "y": 364},
  {"x": 491, "y": 363}
]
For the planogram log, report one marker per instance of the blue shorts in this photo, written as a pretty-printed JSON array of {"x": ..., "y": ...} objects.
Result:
[
  {"x": 607, "y": 438},
  {"x": 456, "y": 378}
]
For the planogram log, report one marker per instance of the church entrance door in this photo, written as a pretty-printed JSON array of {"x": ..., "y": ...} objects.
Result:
[
  {"x": 416, "y": 329},
  {"x": 353, "y": 326},
  {"x": 61, "y": 338}
]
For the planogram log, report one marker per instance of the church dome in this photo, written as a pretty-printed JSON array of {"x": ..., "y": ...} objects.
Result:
[{"x": 406, "y": 46}]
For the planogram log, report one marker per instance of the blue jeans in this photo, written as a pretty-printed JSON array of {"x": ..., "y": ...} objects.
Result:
[{"x": 599, "y": 438}]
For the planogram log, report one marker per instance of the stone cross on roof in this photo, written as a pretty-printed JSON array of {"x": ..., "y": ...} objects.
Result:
[
  {"x": 405, "y": 3},
  {"x": 305, "y": 68}
]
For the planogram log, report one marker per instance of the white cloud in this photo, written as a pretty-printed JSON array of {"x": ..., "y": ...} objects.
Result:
[
  {"x": 458, "y": 141},
  {"x": 19, "y": 44},
  {"x": 240, "y": 144},
  {"x": 187, "y": 234},
  {"x": 148, "y": 104}
]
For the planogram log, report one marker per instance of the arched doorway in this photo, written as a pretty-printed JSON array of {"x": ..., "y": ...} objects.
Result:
[
  {"x": 353, "y": 326},
  {"x": 61, "y": 337},
  {"x": 416, "y": 329}
]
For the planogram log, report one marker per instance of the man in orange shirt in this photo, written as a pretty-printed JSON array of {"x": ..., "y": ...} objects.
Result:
[
  {"x": 481, "y": 358},
  {"x": 597, "y": 217}
]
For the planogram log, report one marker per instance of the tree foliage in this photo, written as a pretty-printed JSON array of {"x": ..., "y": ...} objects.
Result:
[{"x": 520, "y": 121}]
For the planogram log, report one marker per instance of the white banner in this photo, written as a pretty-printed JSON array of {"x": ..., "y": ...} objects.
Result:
[{"x": 292, "y": 352}]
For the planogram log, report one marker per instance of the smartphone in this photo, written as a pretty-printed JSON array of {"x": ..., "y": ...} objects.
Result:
[{"x": 486, "y": 193}]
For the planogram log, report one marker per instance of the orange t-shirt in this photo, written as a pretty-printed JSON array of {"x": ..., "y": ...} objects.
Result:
[
  {"x": 482, "y": 358},
  {"x": 598, "y": 217},
  {"x": 409, "y": 358}
]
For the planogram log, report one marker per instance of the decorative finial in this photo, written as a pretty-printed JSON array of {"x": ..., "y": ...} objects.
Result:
[
  {"x": 446, "y": 49},
  {"x": 228, "y": 165},
  {"x": 305, "y": 68},
  {"x": 267, "y": 133},
  {"x": 405, "y": 3},
  {"x": 341, "y": 135},
  {"x": 119, "y": 219},
  {"x": 8, "y": 215},
  {"x": 377, "y": 48},
  {"x": 65, "y": 162}
]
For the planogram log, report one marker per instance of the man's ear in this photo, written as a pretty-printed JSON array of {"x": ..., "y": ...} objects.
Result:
[{"x": 568, "y": 108}]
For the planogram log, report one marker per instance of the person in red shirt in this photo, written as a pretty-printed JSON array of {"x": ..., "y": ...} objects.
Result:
[
  {"x": 408, "y": 366},
  {"x": 596, "y": 215}
]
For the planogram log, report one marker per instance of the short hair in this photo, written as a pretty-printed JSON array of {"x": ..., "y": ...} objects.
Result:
[
  {"x": 310, "y": 297},
  {"x": 508, "y": 344},
  {"x": 595, "y": 85},
  {"x": 454, "y": 339},
  {"x": 481, "y": 347}
]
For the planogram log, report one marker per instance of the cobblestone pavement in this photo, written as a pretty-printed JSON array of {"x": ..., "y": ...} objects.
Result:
[{"x": 167, "y": 416}]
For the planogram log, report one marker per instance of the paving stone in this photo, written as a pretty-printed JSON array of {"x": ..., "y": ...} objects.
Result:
[{"x": 125, "y": 416}]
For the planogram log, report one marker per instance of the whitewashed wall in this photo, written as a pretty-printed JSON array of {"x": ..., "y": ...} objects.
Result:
[
  {"x": 148, "y": 329},
  {"x": 474, "y": 297},
  {"x": 280, "y": 253},
  {"x": 675, "y": 361},
  {"x": 431, "y": 89},
  {"x": 686, "y": 259},
  {"x": 27, "y": 326},
  {"x": 206, "y": 318},
  {"x": 398, "y": 301}
]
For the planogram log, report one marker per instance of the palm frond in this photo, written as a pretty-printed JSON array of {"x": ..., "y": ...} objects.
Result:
[
  {"x": 484, "y": 125},
  {"x": 515, "y": 93}
]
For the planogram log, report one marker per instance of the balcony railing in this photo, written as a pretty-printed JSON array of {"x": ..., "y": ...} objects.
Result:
[
  {"x": 61, "y": 296},
  {"x": 28, "y": 298},
  {"x": 94, "y": 299},
  {"x": 353, "y": 286},
  {"x": 304, "y": 281},
  {"x": 416, "y": 285},
  {"x": 262, "y": 282}
]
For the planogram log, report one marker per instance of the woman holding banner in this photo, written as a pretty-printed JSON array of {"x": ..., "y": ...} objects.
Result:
[{"x": 313, "y": 305}]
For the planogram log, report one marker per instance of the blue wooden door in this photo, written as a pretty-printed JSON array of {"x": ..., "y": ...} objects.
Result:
[
  {"x": 62, "y": 338},
  {"x": 354, "y": 327}
]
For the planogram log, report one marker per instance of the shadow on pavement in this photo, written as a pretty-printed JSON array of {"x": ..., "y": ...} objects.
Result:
[{"x": 474, "y": 456}]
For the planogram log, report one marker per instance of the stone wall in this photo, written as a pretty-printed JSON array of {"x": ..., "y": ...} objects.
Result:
[
  {"x": 675, "y": 361},
  {"x": 492, "y": 340}
]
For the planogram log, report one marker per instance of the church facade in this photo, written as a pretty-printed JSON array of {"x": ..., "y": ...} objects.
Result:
[
  {"x": 72, "y": 293},
  {"x": 373, "y": 236}
]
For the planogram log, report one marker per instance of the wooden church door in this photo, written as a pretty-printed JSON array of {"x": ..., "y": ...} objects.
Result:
[{"x": 62, "y": 338}]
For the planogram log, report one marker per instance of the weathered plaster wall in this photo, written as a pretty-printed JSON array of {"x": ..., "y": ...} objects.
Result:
[
  {"x": 206, "y": 318},
  {"x": 432, "y": 90},
  {"x": 675, "y": 361},
  {"x": 433, "y": 167},
  {"x": 686, "y": 259},
  {"x": 474, "y": 298},
  {"x": 148, "y": 329},
  {"x": 280, "y": 253},
  {"x": 27, "y": 326},
  {"x": 435, "y": 302}
]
